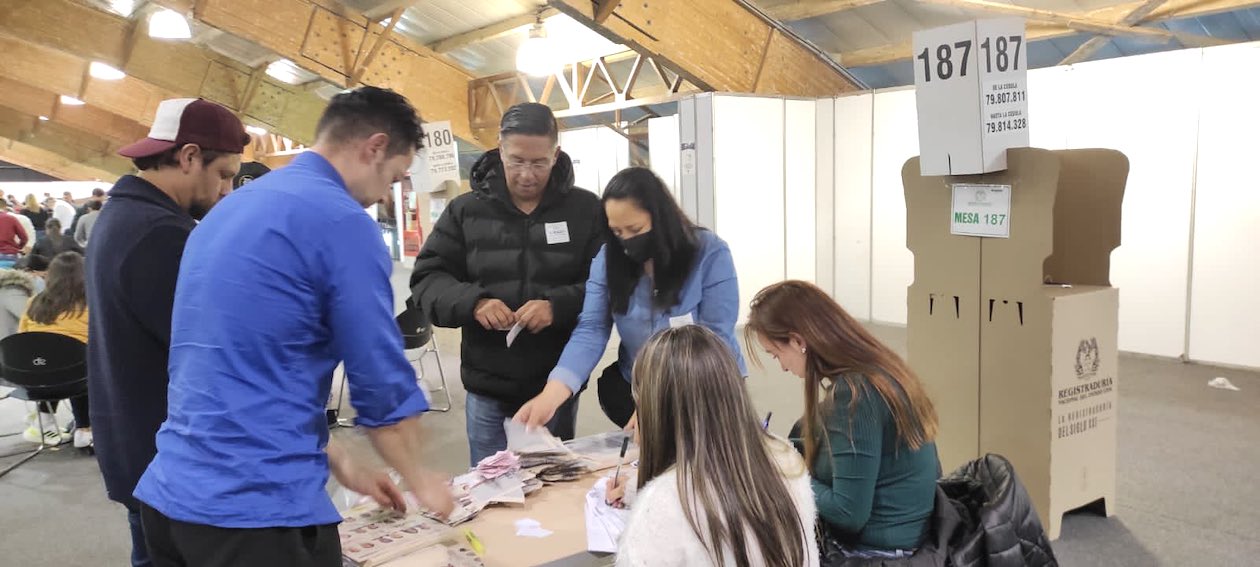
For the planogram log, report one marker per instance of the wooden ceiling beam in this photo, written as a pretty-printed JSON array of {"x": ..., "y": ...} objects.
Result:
[
  {"x": 87, "y": 119},
  {"x": 718, "y": 45},
  {"x": 1075, "y": 22},
  {"x": 489, "y": 32},
  {"x": 806, "y": 9},
  {"x": 1090, "y": 47},
  {"x": 315, "y": 36},
  {"x": 156, "y": 69},
  {"x": 50, "y": 163},
  {"x": 1170, "y": 10},
  {"x": 64, "y": 141}
]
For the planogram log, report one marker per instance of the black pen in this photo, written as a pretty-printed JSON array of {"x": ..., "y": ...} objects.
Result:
[
  {"x": 766, "y": 424},
  {"x": 625, "y": 444}
]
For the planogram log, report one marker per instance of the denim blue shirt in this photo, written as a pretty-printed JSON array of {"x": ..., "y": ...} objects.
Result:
[
  {"x": 284, "y": 279},
  {"x": 709, "y": 297}
]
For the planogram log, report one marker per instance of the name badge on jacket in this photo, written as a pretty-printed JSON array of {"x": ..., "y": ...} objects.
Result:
[{"x": 557, "y": 232}]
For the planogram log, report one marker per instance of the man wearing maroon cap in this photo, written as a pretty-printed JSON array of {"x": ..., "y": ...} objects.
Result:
[{"x": 186, "y": 165}]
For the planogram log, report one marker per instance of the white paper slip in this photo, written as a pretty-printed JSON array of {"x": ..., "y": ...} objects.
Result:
[
  {"x": 557, "y": 232},
  {"x": 529, "y": 527},
  {"x": 521, "y": 440},
  {"x": 511, "y": 336},
  {"x": 604, "y": 523}
]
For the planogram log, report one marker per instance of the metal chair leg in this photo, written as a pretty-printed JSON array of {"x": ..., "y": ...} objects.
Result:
[
  {"x": 341, "y": 402},
  {"x": 432, "y": 348},
  {"x": 23, "y": 460},
  {"x": 39, "y": 423}
]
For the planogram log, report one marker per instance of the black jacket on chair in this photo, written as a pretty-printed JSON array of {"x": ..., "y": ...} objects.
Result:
[
  {"x": 983, "y": 518},
  {"x": 485, "y": 247}
]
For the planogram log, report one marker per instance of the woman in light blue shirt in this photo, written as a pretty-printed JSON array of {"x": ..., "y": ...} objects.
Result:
[{"x": 656, "y": 270}]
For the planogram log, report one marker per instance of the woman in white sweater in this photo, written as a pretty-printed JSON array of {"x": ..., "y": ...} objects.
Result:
[{"x": 713, "y": 487}]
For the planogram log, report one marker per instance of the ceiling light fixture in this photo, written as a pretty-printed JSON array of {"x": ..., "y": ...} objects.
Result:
[
  {"x": 70, "y": 101},
  {"x": 104, "y": 72},
  {"x": 124, "y": 8},
  {"x": 536, "y": 56},
  {"x": 43, "y": 118},
  {"x": 256, "y": 130},
  {"x": 284, "y": 71},
  {"x": 168, "y": 24}
]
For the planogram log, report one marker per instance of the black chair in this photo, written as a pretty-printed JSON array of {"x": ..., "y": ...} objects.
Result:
[
  {"x": 417, "y": 334},
  {"x": 43, "y": 367}
]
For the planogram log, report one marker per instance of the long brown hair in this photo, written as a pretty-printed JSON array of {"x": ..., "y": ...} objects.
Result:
[
  {"x": 839, "y": 349},
  {"x": 695, "y": 415},
  {"x": 65, "y": 294}
]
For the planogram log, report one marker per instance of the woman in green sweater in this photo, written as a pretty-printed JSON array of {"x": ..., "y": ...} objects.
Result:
[{"x": 869, "y": 428}]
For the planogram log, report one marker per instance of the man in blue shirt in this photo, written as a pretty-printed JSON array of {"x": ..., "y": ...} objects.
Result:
[{"x": 284, "y": 279}]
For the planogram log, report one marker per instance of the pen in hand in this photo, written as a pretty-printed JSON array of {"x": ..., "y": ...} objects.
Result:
[{"x": 625, "y": 444}]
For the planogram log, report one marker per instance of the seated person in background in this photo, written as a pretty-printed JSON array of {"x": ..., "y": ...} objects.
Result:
[
  {"x": 61, "y": 308},
  {"x": 17, "y": 286},
  {"x": 83, "y": 226},
  {"x": 870, "y": 438},
  {"x": 54, "y": 242},
  {"x": 13, "y": 239},
  {"x": 714, "y": 487}
]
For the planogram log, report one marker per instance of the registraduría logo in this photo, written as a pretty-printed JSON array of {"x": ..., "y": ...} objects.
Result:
[{"x": 1087, "y": 358}]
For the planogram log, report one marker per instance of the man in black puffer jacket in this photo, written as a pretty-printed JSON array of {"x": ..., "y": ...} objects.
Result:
[{"x": 516, "y": 251}]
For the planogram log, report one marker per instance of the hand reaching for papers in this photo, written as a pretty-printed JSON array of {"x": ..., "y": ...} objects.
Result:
[
  {"x": 368, "y": 482},
  {"x": 433, "y": 492},
  {"x": 539, "y": 411}
]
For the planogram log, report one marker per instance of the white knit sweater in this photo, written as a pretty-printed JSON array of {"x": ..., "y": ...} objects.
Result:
[{"x": 658, "y": 534}]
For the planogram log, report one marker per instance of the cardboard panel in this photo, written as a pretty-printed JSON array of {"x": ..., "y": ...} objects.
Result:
[
  {"x": 944, "y": 315},
  {"x": 801, "y": 244},
  {"x": 892, "y": 266},
  {"x": 1225, "y": 305},
  {"x": 1087, "y": 214},
  {"x": 748, "y": 200},
  {"x": 853, "y": 131},
  {"x": 1084, "y": 398}
]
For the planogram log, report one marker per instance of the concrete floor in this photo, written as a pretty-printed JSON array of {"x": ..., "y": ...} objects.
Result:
[{"x": 1187, "y": 459}]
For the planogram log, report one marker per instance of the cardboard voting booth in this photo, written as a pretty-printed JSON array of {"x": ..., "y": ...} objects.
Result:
[{"x": 1013, "y": 320}]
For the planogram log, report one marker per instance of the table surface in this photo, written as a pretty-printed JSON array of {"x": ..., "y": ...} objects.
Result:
[{"x": 560, "y": 508}]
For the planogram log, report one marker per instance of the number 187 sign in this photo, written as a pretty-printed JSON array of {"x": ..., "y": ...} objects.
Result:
[{"x": 972, "y": 95}]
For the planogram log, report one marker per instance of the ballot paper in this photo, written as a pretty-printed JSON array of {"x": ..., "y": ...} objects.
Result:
[
  {"x": 603, "y": 451},
  {"x": 529, "y": 527},
  {"x": 371, "y": 535},
  {"x": 511, "y": 336},
  {"x": 522, "y": 440},
  {"x": 499, "y": 464},
  {"x": 604, "y": 523}
]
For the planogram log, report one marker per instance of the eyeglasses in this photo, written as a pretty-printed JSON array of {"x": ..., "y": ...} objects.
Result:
[{"x": 532, "y": 167}]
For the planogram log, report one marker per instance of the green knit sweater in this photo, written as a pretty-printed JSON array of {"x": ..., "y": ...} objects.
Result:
[{"x": 872, "y": 489}]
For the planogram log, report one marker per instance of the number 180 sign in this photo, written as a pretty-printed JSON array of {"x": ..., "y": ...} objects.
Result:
[{"x": 972, "y": 95}]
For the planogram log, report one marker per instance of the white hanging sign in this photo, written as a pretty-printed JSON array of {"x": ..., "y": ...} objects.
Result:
[
  {"x": 438, "y": 161},
  {"x": 972, "y": 95},
  {"x": 981, "y": 210}
]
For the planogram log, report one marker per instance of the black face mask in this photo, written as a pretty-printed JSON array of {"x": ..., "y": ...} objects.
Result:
[{"x": 639, "y": 247}]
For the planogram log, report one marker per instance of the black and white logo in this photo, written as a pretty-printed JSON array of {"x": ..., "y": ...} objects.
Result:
[{"x": 1087, "y": 358}]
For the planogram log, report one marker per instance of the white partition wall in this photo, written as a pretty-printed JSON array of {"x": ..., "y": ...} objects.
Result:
[
  {"x": 1153, "y": 121},
  {"x": 598, "y": 153},
  {"x": 896, "y": 140},
  {"x": 748, "y": 188},
  {"x": 663, "y": 150},
  {"x": 800, "y": 191},
  {"x": 1225, "y": 290},
  {"x": 852, "y": 180}
]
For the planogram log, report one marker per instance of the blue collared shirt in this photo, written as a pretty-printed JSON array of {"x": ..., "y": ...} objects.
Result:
[
  {"x": 285, "y": 278},
  {"x": 709, "y": 297}
]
